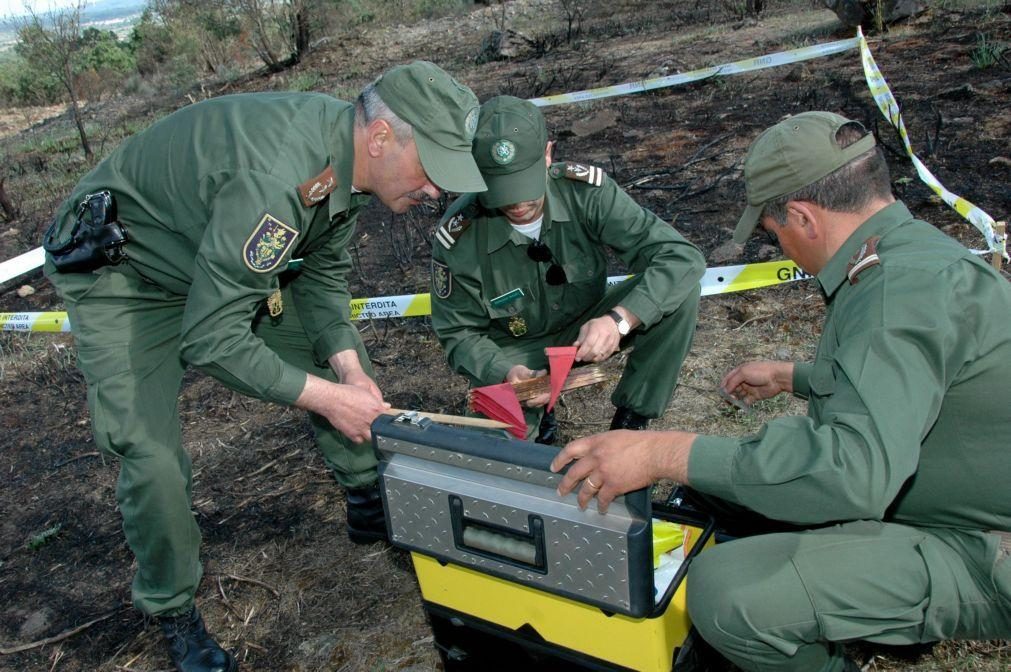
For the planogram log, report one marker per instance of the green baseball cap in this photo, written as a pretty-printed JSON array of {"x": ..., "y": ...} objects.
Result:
[
  {"x": 509, "y": 150},
  {"x": 789, "y": 156},
  {"x": 443, "y": 113}
]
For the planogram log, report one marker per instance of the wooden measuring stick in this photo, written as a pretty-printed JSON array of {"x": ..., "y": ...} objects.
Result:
[{"x": 453, "y": 419}]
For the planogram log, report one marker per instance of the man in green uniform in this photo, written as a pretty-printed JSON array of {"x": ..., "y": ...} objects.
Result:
[
  {"x": 898, "y": 474},
  {"x": 217, "y": 200},
  {"x": 523, "y": 266}
]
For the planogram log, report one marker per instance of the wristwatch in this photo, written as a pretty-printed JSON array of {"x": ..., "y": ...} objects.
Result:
[{"x": 623, "y": 326}]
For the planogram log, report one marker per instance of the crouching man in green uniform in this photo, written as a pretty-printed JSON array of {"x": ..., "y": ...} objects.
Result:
[
  {"x": 217, "y": 199},
  {"x": 898, "y": 475},
  {"x": 523, "y": 266}
]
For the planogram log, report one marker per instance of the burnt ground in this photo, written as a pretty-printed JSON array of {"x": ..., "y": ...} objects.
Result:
[{"x": 283, "y": 586}]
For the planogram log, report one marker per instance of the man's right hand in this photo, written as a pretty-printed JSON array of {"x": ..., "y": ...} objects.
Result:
[
  {"x": 349, "y": 408},
  {"x": 520, "y": 372},
  {"x": 757, "y": 380}
]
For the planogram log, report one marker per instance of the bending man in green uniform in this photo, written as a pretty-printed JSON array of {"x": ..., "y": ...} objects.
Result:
[
  {"x": 898, "y": 475},
  {"x": 523, "y": 266},
  {"x": 217, "y": 200}
]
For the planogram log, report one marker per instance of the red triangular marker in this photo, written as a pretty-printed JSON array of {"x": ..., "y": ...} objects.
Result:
[
  {"x": 499, "y": 402},
  {"x": 560, "y": 363}
]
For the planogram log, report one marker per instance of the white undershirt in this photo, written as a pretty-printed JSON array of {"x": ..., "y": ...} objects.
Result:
[{"x": 531, "y": 230}]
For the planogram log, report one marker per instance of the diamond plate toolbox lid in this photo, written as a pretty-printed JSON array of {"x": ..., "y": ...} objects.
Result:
[{"x": 489, "y": 502}]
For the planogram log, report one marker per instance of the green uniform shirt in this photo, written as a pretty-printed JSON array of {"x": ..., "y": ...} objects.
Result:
[
  {"x": 210, "y": 198},
  {"x": 907, "y": 418},
  {"x": 483, "y": 266}
]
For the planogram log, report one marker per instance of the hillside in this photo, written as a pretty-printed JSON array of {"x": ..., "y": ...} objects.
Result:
[{"x": 283, "y": 586}]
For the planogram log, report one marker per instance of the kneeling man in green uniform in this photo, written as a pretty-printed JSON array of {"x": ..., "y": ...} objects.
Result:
[
  {"x": 523, "y": 266},
  {"x": 217, "y": 201},
  {"x": 894, "y": 487}
]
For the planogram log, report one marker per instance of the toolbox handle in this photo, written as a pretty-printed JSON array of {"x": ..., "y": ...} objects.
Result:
[{"x": 495, "y": 542}]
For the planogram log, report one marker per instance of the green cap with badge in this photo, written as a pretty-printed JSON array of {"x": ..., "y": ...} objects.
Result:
[
  {"x": 509, "y": 150},
  {"x": 443, "y": 113},
  {"x": 789, "y": 156}
]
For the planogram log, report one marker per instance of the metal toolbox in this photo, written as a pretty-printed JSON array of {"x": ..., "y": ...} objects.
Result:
[{"x": 489, "y": 502}]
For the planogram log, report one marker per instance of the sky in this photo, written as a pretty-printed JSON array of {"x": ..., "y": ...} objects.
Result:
[{"x": 17, "y": 7}]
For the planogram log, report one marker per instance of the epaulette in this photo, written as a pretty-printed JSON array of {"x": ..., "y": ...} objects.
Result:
[
  {"x": 578, "y": 172},
  {"x": 450, "y": 232},
  {"x": 865, "y": 257},
  {"x": 316, "y": 189}
]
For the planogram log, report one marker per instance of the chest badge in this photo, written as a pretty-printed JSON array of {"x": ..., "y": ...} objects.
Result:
[{"x": 517, "y": 326}]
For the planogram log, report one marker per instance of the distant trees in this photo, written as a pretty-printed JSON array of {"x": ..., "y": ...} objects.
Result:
[{"x": 178, "y": 43}]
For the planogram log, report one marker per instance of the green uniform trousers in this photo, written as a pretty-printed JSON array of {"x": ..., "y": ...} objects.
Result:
[
  {"x": 786, "y": 601},
  {"x": 127, "y": 333},
  {"x": 650, "y": 376}
]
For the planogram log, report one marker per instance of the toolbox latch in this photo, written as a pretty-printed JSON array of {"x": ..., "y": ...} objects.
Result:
[{"x": 413, "y": 418}]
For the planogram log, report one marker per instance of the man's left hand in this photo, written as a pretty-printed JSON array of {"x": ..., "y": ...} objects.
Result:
[
  {"x": 361, "y": 380},
  {"x": 598, "y": 339},
  {"x": 613, "y": 463}
]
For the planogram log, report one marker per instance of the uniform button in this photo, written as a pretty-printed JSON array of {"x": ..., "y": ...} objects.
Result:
[
  {"x": 589, "y": 272},
  {"x": 555, "y": 306}
]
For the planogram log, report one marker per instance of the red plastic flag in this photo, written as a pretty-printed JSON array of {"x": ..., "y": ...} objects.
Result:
[
  {"x": 560, "y": 363},
  {"x": 499, "y": 402}
]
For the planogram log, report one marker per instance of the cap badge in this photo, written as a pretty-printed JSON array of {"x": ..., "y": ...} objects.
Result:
[
  {"x": 503, "y": 152},
  {"x": 470, "y": 123}
]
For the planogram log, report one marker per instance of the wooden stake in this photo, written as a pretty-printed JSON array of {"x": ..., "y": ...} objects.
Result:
[
  {"x": 578, "y": 377},
  {"x": 998, "y": 228}
]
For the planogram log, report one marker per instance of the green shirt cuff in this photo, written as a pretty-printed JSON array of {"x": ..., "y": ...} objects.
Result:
[
  {"x": 498, "y": 371},
  {"x": 710, "y": 465},
  {"x": 337, "y": 340},
  {"x": 289, "y": 387},
  {"x": 801, "y": 378}
]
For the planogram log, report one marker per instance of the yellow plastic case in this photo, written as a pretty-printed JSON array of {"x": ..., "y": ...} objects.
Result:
[{"x": 490, "y": 612}]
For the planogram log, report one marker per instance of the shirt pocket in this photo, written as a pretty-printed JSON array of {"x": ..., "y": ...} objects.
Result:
[{"x": 517, "y": 318}]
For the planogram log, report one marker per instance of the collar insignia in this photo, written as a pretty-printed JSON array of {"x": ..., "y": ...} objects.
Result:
[
  {"x": 450, "y": 232},
  {"x": 580, "y": 173},
  {"x": 865, "y": 257},
  {"x": 315, "y": 190}
]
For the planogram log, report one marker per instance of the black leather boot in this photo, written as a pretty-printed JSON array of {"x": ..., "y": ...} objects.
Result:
[
  {"x": 366, "y": 520},
  {"x": 547, "y": 432},
  {"x": 191, "y": 648},
  {"x": 626, "y": 418}
]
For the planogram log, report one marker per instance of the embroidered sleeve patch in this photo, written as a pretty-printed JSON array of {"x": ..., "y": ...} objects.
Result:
[
  {"x": 266, "y": 246},
  {"x": 315, "y": 190},
  {"x": 442, "y": 280}
]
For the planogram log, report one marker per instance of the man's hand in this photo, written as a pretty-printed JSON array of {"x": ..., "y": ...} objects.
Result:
[
  {"x": 598, "y": 339},
  {"x": 613, "y": 463},
  {"x": 361, "y": 380},
  {"x": 753, "y": 381},
  {"x": 519, "y": 373},
  {"x": 348, "y": 407}
]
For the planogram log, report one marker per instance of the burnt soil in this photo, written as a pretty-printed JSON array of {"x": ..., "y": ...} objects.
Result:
[{"x": 283, "y": 586}]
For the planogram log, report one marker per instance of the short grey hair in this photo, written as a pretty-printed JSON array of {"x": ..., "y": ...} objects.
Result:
[
  {"x": 849, "y": 188},
  {"x": 370, "y": 107}
]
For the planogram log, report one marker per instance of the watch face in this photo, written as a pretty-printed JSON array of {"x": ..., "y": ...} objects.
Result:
[{"x": 623, "y": 327}]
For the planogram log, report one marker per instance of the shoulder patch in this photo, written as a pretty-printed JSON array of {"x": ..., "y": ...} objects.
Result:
[
  {"x": 450, "y": 232},
  {"x": 579, "y": 172},
  {"x": 266, "y": 246},
  {"x": 442, "y": 279},
  {"x": 316, "y": 189},
  {"x": 865, "y": 257}
]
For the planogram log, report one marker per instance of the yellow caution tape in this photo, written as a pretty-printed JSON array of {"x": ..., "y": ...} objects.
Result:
[
  {"x": 890, "y": 109},
  {"x": 717, "y": 280}
]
